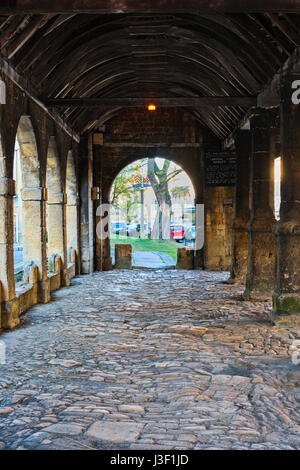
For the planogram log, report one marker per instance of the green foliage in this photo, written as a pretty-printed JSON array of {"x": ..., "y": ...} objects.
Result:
[
  {"x": 146, "y": 244},
  {"x": 182, "y": 191},
  {"x": 125, "y": 197}
]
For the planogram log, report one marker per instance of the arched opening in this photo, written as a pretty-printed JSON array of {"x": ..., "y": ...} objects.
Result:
[
  {"x": 54, "y": 211},
  {"x": 27, "y": 210},
  {"x": 72, "y": 207},
  {"x": 153, "y": 209},
  {"x": 18, "y": 213},
  {"x": 7, "y": 283}
]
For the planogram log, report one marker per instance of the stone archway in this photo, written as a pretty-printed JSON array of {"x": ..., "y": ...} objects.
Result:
[
  {"x": 31, "y": 196},
  {"x": 181, "y": 212},
  {"x": 55, "y": 203},
  {"x": 72, "y": 205},
  {"x": 7, "y": 189}
]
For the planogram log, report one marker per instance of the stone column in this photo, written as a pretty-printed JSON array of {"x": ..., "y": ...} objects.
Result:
[
  {"x": 286, "y": 299},
  {"x": 57, "y": 235},
  {"x": 10, "y": 309},
  {"x": 86, "y": 208},
  {"x": 103, "y": 252},
  {"x": 242, "y": 212},
  {"x": 261, "y": 247},
  {"x": 34, "y": 231}
]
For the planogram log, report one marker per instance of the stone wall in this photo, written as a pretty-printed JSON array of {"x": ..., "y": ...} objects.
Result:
[
  {"x": 185, "y": 142},
  {"x": 219, "y": 214},
  {"x": 35, "y": 130}
]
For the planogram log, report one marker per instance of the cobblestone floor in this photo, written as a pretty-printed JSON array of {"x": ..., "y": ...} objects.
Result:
[{"x": 149, "y": 360}]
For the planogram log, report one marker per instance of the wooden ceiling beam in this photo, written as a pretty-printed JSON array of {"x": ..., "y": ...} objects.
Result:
[
  {"x": 19, "y": 41},
  {"x": 147, "y": 6},
  {"x": 244, "y": 101},
  {"x": 29, "y": 91}
]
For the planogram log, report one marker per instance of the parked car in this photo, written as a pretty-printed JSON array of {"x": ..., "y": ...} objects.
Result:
[
  {"x": 119, "y": 228},
  {"x": 134, "y": 229},
  {"x": 177, "y": 231}
]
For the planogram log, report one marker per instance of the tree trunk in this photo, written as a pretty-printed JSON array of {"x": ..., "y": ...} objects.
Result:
[{"x": 159, "y": 182}]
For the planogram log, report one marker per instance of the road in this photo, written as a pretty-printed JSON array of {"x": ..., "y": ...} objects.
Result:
[{"x": 152, "y": 259}]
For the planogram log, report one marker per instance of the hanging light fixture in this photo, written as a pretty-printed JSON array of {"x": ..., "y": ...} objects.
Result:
[{"x": 151, "y": 107}]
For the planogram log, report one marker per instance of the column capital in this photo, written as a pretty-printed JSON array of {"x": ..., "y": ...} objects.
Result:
[
  {"x": 34, "y": 194},
  {"x": 57, "y": 198}
]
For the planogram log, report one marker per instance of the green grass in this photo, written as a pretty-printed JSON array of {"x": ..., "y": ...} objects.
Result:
[{"x": 147, "y": 244}]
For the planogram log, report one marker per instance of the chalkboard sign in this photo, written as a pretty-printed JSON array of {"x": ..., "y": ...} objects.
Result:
[{"x": 220, "y": 169}]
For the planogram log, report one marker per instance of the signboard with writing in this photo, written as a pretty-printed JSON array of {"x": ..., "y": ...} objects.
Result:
[{"x": 220, "y": 169}]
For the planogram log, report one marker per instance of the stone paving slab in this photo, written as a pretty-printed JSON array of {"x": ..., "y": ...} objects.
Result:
[{"x": 148, "y": 359}]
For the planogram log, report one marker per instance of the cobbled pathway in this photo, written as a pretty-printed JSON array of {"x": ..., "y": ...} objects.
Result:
[{"x": 150, "y": 360}]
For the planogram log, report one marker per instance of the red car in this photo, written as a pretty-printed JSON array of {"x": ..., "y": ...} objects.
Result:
[{"x": 177, "y": 231}]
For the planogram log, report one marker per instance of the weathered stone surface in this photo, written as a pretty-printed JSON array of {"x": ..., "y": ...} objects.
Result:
[
  {"x": 185, "y": 258},
  {"x": 64, "y": 428},
  {"x": 126, "y": 361},
  {"x": 115, "y": 432},
  {"x": 123, "y": 256},
  {"x": 6, "y": 410},
  {"x": 132, "y": 409}
]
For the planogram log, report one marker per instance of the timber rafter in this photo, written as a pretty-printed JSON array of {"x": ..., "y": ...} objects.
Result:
[{"x": 191, "y": 54}]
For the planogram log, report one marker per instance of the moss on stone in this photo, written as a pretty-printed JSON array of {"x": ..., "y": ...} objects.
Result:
[
  {"x": 291, "y": 305},
  {"x": 286, "y": 305}
]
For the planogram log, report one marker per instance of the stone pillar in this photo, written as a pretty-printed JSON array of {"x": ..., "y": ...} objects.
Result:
[
  {"x": 86, "y": 208},
  {"x": 57, "y": 235},
  {"x": 219, "y": 202},
  {"x": 34, "y": 231},
  {"x": 286, "y": 298},
  {"x": 123, "y": 256},
  {"x": 242, "y": 212},
  {"x": 10, "y": 308},
  {"x": 103, "y": 252},
  {"x": 261, "y": 242}
]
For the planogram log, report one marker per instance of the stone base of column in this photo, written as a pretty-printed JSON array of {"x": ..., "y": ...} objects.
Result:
[
  {"x": 260, "y": 277},
  {"x": 286, "y": 309},
  {"x": 44, "y": 291},
  {"x": 238, "y": 271},
  {"x": 10, "y": 314},
  {"x": 185, "y": 258},
  {"x": 286, "y": 298},
  {"x": 106, "y": 264},
  {"x": 65, "y": 279},
  {"x": 199, "y": 259},
  {"x": 103, "y": 258}
]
